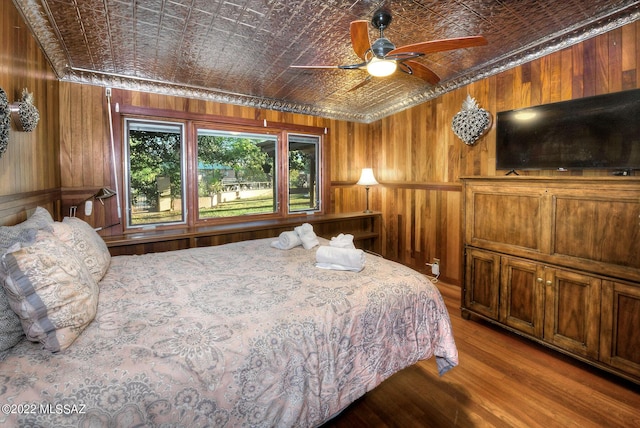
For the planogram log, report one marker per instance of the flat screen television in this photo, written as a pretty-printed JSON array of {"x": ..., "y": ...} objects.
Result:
[{"x": 593, "y": 132}]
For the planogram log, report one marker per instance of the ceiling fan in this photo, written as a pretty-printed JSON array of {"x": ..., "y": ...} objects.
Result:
[{"x": 381, "y": 58}]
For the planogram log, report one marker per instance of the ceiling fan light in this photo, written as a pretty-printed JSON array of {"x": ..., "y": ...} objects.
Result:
[{"x": 381, "y": 67}]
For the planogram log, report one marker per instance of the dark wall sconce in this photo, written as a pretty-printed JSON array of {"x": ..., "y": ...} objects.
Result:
[
  {"x": 100, "y": 195},
  {"x": 104, "y": 193}
]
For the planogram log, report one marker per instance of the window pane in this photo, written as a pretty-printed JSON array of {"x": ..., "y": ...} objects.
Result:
[
  {"x": 155, "y": 173},
  {"x": 236, "y": 174},
  {"x": 304, "y": 185}
]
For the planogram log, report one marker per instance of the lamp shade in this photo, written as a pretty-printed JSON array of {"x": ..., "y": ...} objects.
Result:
[{"x": 367, "y": 178}]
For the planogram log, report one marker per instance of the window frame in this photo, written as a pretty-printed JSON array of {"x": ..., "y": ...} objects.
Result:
[
  {"x": 197, "y": 125},
  {"x": 319, "y": 174},
  {"x": 191, "y": 121},
  {"x": 127, "y": 173}
]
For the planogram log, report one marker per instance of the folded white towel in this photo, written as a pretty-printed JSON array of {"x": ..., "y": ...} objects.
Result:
[
  {"x": 287, "y": 240},
  {"x": 342, "y": 241},
  {"x": 328, "y": 257},
  {"x": 307, "y": 236}
]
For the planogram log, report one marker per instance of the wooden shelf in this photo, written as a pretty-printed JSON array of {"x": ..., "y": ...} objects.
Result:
[{"x": 365, "y": 227}]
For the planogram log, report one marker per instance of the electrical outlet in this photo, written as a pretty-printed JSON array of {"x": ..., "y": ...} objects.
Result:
[
  {"x": 435, "y": 267},
  {"x": 88, "y": 208}
]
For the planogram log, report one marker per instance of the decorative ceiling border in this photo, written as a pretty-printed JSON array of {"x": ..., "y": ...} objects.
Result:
[
  {"x": 36, "y": 17},
  {"x": 554, "y": 43}
]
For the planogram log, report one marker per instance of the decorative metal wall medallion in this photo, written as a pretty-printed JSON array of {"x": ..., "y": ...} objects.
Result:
[
  {"x": 5, "y": 122},
  {"x": 25, "y": 114},
  {"x": 471, "y": 123}
]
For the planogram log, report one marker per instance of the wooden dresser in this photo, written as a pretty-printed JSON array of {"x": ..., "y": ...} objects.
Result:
[{"x": 557, "y": 260}]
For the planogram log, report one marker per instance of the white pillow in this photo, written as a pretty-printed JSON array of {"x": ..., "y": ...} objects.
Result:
[{"x": 89, "y": 246}]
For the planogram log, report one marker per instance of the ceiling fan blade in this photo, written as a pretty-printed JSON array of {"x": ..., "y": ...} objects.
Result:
[
  {"x": 360, "y": 37},
  {"x": 416, "y": 69},
  {"x": 441, "y": 45}
]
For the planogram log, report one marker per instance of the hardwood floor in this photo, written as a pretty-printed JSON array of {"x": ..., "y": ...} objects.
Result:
[{"x": 502, "y": 380}]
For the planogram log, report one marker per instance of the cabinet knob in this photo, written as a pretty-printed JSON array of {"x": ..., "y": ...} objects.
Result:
[
  {"x": 549, "y": 282},
  {"x": 539, "y": 280}
]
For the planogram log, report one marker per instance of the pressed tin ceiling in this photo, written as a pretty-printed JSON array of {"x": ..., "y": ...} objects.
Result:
[{"x": 240, "y": 51}]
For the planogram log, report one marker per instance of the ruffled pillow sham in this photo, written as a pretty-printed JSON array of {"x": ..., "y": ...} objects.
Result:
[
  {"x": 9, "y": 235},
  {"x": 11, "y": 332},
  {"x": 50, "y": 289}
]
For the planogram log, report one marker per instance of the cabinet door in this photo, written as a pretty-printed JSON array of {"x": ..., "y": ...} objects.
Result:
[
  {"x": 572, "y": 318},
  {"x": 482, "y": 282},
  {"x": 620, "y": 337},
  {"x": 522, "y": 295}
]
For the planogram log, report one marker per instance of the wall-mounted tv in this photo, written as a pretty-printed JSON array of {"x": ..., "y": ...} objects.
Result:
[{"x": 593, "y": 132}]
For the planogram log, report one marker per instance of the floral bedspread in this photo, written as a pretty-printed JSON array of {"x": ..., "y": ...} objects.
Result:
[{"x": 235, "y": 335}]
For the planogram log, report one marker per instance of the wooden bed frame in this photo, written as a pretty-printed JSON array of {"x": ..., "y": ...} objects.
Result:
[{"x": 16, "y": 208}]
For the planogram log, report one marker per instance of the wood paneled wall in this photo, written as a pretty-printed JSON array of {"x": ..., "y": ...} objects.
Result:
[
  {"x": 415, "y": 156},
  {"x": 85, "y": 140},
  {"x": 29, "y": 169},
  {"x": 418, "y": 160}
]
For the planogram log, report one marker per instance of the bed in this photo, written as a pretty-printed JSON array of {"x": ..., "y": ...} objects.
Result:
[{"x": 240, "y": 334}]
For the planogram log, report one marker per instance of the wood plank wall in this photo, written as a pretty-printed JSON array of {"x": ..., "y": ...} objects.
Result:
[
  {"x": 85, "y": 158},
  {"x": 414, "y": 154},
  {"x": 29, "y": 169},
  {"x": 419, "y": 160}
]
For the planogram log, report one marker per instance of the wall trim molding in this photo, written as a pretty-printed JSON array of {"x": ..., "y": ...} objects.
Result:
[{"x": 450, "y": 187}]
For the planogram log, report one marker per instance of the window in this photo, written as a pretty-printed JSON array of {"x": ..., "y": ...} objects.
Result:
[
  {"x": 304, "y": 184},
  {"x": 184, "y": 168},
  {"x": 236, "y": 174},
  {"x": 154, "y": 162}
]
